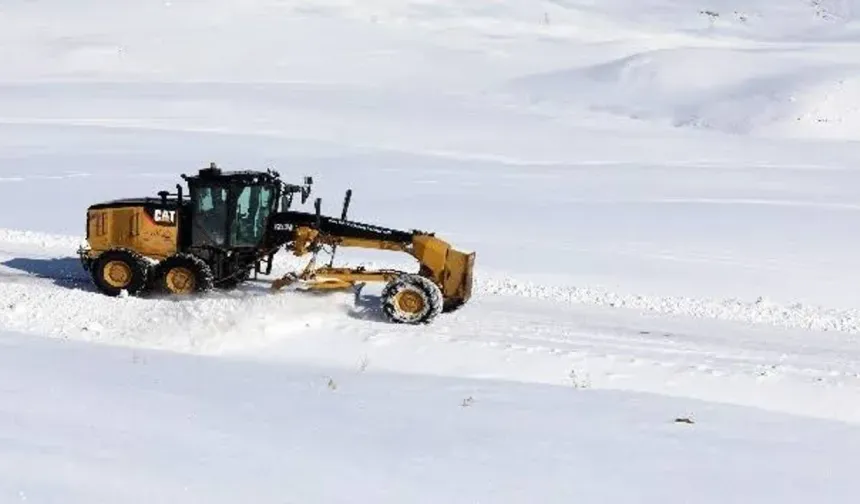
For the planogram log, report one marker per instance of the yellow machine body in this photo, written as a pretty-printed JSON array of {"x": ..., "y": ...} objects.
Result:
[{"x": 150, "y": 232}]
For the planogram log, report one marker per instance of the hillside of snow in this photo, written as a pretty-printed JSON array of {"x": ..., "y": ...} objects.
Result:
[{"x": 661, "y": 195}]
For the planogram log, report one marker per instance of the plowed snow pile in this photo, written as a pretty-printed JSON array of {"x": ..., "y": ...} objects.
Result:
[{"x": 663, "y": 197}]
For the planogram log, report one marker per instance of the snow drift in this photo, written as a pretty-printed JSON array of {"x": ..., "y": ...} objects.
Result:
[
  {"x": 747, "y": 74},
  {"x": 732, "y": 91}
]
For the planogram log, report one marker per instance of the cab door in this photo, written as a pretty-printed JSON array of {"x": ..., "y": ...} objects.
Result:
[{"x": 209, "y": 214}]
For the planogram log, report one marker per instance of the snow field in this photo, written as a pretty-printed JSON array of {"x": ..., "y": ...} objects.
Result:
[
  {"x": 662, "y": 196},
  {"x": 143, "y": 426}
]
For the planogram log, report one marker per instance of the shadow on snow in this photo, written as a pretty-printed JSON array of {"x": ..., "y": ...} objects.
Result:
[{"x": 65, "y": 272}]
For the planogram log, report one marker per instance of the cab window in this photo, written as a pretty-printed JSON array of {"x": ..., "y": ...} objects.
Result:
[
  {"x": 253, "y": 205},
  {"x": 210, "y": 216}
]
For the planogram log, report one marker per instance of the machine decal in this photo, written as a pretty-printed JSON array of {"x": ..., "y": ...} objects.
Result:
[{"x": 161, "y": 216}]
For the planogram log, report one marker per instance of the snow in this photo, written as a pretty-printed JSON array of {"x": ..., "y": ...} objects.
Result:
[
  {"x": 139, "y": 426},
  {"x": 662, "y": 197}
]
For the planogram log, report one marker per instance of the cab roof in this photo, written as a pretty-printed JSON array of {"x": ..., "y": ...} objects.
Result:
[{"x": 213, "y": 173}]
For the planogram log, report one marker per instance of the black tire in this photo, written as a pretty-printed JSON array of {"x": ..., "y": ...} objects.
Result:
[
  {"x": 183, "y": 274},
  {"x": 118, "y": 270},
  {"x": 411, "y": 299}
]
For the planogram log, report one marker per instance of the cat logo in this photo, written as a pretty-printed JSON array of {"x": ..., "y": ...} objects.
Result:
[{"x": 164, "y": 216}]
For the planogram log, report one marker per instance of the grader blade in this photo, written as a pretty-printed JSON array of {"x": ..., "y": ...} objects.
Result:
[{"x": 457, "y": 279}]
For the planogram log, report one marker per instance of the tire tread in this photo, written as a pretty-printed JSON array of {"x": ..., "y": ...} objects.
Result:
[{"x": 432, "y": 294}]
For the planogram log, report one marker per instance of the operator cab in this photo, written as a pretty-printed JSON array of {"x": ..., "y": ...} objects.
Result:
[{"x": 230, "y": 210}]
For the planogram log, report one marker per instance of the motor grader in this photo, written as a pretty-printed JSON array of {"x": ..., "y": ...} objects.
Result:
[{"x": 230, "y": 225}]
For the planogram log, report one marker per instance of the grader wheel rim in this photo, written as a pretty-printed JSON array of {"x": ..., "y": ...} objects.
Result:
[
  {"x": 117, "y": 274},
  {"x": 180, "y": 280},
  {"x": 410, "y": 301}
]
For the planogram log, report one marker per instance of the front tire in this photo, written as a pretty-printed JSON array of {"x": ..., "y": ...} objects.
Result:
[
  {"x": 411, "y": 299},
  {"x": 118, "y": 270},
  {"x": 183, "y": 274}
]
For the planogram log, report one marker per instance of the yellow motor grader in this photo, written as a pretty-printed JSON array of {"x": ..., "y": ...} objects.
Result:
[{"x": 230, "y": 225}]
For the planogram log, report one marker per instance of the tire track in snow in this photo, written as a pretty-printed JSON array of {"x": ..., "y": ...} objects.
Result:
[{"x": 589, "y": 347}]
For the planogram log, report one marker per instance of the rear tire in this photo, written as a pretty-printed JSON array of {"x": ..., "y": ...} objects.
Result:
[
  {"x": 183, "y": 274},
  {"x": 118, "y": 270},
  {"x": 411, "y": 299}
]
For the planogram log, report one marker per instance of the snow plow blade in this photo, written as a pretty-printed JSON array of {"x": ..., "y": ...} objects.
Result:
[
  {"x": 458, "y": 282},
  {"x": 452, "y": 269}
]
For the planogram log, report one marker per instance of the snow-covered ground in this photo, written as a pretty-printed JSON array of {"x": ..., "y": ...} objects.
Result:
[
  {"x": 86, "y": 424},
  {"x": 662, "y": 196}
]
